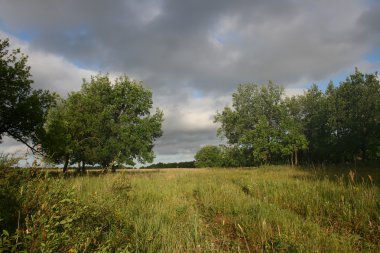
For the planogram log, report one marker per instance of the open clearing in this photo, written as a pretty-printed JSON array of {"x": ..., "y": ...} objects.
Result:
[{"x": 227, "y": 210}]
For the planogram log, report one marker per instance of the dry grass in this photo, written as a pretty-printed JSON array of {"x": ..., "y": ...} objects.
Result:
[
  {"x": 241, "y": 210},
  {"x": 268, "y": 209}
]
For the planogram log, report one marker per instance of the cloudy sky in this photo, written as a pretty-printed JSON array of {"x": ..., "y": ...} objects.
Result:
[{"x": 193, "y": 53}]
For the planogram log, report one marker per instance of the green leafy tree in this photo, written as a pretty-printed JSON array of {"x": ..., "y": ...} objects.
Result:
[
  {"x": 107, "y": 123},
  {"x": 57, "y": 140},
  {"x": 233, "y": 156},
  {"x": 22, "y": 109},
  {"x": 356, "y": 118},
  {"x": 264, "y": 140},
  {"x": 263, "y": 125},
  {"x": 209, "y": 156},
  {"x": 292, "y": 134},
  {"x": 342, "y": 123},
  {"x": 316, "y": 118},
  {"x": 253, "y": 123}
]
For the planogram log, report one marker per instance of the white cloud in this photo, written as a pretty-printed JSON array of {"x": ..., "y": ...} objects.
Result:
[
  {"x": 290, "y": 92},
  {"x": 194, "y": 114},
  {"x": 55, "y": 73},
  {"x": 11, "y": 146}
]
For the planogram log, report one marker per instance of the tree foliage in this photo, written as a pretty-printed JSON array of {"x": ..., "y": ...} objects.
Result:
[
  {"x": 170, "y": 165},
  {"x": 104, "y": 124},
  {"x": 260, "y": 124},
  {"x": 22, "y": 109},
  {"x": 341, "y": 124},
  {"x": 57, "y": 139},
  {"x": 209, "y": 156}
]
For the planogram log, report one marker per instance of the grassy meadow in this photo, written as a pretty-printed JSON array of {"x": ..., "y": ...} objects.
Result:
[{"x": 269, "y": 209}]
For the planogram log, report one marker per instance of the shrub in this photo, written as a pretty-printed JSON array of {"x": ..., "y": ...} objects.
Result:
[
  {"x": 208, "y": 156},
  {"x": 9, "y": 193},
  {"x": 58, "y": 222}
]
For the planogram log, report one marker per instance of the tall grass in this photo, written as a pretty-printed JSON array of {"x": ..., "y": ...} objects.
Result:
[{"x": 271, "y": 209}]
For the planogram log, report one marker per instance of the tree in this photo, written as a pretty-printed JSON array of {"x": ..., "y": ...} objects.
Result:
[
  {"x": 356, "y": 118},
  {"x": 252, "y": 124},
  {"x": 209, "y": 156},
  {"x": 22, "y": 109},
  {"x": 57, "y": 140},
  {"x": 262, "y": 125},
  {"x": 233, "y": 156},
  {"x": 106, "y": 123},
  {"x": 292, "y": 137},
  {"x": 317, "y": 117},
  {"x": 342, "y": 124}
]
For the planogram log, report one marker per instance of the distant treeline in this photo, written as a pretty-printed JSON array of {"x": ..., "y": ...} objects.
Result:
[
  {"x": 263, "y": 126},
  {"x": 190, "y": 164}
]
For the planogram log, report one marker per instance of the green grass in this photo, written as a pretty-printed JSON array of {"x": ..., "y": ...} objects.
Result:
[{"x": 271, "y": 209}]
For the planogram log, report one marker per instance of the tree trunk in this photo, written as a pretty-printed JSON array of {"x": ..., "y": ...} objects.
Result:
[
  {"x": 66, "y": 165},
  {"x": 291, "y": 159},
  {"x": 83, "y": 168},
  {"x": 296, "y": 158}
]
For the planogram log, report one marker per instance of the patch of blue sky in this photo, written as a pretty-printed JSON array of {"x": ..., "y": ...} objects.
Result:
[
  {"x": 373, "y": 56},
  {"x": 23, "y": 35},
  {"x": 372, "y": 2},
  {"x": 336, "y": 78},
  {"x": 227, "y": 38},
  {"x": 341, "y": 76},
  {"x": 197, "y": 93},
  {"x": 78, "y": 63}
]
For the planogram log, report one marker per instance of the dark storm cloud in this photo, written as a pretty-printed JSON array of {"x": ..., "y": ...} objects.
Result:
[
  {"x": 184, "y": 142},
  {"x": 206, "y": 47},
  {"x": 175, "y": 40},
  {"x": 369, "y": 22}
]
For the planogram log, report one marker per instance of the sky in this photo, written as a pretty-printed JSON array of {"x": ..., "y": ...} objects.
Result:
[{"x": 192, "y": 54}]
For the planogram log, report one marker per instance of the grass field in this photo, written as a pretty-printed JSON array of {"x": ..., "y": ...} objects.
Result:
[{"x": 272, "y": 209}]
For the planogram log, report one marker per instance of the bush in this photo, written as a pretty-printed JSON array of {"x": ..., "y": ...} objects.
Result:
[
  {"x": 209, "y": 156},
  {"x": 13, "y": 242},
  {"x": 42, "y": 214},
  {"x": 58, "y": 222},
  {"x": 9, "y": 193}
]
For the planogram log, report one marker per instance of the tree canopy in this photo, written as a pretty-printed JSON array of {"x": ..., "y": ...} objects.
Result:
[
  {"x": 208, "y": 156},
  {"x": 22, "y": 109},
  {"x": 341, "y": 124},
  {"x": 261, "y": 125},
  {"x": 104, "y": 124}
]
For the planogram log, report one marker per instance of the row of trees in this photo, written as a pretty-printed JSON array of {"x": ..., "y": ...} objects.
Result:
[
  {"x": 104, "y": 123},
  {"x": 160, "y": 165},
  {"x": 339, "y": 125}
]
